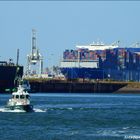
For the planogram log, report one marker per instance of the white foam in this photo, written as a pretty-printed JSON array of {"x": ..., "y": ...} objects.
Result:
[
  {"x": 70, "y": 108},
  {"x": 1, "y": 109},
  {"x": 39, "y": 110},
  {"x": 8, "y": 110},
  {"x": 18, "y": 110},
  {"x": 125, "y": 128}
]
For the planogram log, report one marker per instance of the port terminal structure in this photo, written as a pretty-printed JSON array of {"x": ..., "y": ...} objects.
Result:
[{"x": 34, "y": 59}]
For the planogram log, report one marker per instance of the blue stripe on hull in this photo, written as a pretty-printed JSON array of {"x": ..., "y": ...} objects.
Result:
[
  {"x": 90, "y": 73},
  {"x": 74, "y": 73}
]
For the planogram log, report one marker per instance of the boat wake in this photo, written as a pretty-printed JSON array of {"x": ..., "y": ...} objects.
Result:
[
  {"x": 7, "y": 110},
  {"x": 39, "y": 110},
  {"x": 2, "y": 109}
]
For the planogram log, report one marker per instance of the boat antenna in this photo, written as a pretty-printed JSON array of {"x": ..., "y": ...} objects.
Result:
[{"x": 17, "y": 56}]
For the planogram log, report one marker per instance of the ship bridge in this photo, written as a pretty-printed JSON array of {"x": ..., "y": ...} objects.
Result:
[{"x": 98, "y": 46}]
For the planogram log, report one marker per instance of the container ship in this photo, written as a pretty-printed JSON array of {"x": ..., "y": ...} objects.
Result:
[
  {"x": 8, "y": 75},
  {"x": 100, "y": 61}
]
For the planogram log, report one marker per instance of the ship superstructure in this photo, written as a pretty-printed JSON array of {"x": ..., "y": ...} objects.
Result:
[
  {"x": 100, "y": 61},
  {"x": 98, "y": 46}
]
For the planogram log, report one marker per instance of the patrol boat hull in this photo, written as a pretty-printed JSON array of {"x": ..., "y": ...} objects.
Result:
[{"x": 25, "y": 108}]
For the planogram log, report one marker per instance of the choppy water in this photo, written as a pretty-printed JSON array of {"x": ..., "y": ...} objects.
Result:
[{"x": 73, "y": 117}]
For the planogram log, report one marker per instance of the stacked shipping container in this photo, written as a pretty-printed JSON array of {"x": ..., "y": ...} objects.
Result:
[
  {"x": 115, "y": 58},
  {"x": 117, "y": 63}
]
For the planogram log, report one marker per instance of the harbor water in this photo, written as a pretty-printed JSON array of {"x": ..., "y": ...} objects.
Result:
[{"x": 73, "y": 117}]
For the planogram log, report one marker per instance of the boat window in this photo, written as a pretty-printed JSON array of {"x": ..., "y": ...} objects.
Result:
[
  {"x": 13, "y": 96},
  {"x": 21, "y": 96},
  {"x": 17, "y": 96},
  {"x": 27, "y": 96}
]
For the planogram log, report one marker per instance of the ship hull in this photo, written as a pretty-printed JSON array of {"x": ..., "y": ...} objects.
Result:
[
  {"x": 8, "y": 76},
  {"x": 25, "y": 108},
  {"x": 90, "y": 73},
  {"x": 61, "y": 86},
  {"x": 98, "y": 73}
]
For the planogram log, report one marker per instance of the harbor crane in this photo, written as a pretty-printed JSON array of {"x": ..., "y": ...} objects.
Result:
[{"x": 34, "y": 58}]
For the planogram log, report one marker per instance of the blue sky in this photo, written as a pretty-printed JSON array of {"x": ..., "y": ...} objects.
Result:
[{"x": 61, "y": 25}]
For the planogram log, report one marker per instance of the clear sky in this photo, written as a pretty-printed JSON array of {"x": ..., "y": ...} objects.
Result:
[{"x": 61, "y": 25}]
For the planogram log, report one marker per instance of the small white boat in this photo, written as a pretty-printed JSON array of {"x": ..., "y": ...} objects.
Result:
[{"x": 20, "y": 100}]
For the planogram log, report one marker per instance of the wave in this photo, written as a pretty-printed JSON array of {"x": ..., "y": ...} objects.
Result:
[
  {"x": 7, "y": 110},
  {"x": 39, "y": 110},
  {"x": 18, "y": 110}
]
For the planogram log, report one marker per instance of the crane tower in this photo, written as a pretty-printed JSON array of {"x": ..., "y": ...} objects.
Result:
[{"x": 34, "y": 58}]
